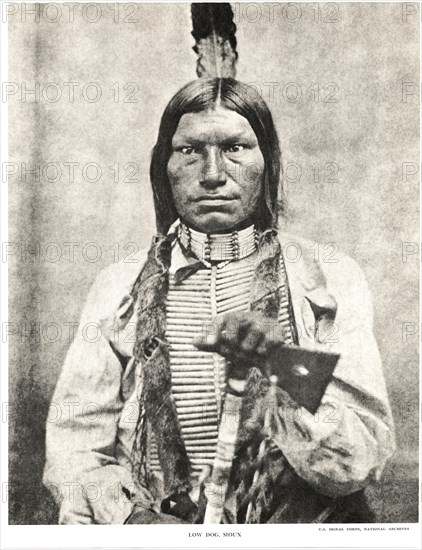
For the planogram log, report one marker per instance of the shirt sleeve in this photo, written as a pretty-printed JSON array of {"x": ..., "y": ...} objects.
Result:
[
  {"x": 345, "y": 445},
  {"x": 81, "y": 470}
]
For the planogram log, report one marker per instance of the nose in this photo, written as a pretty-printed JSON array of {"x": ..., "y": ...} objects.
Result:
[{"x": 213, "y": 170}]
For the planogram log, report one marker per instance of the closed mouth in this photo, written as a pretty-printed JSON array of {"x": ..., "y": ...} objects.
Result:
[{"x": 220, "y": 198}]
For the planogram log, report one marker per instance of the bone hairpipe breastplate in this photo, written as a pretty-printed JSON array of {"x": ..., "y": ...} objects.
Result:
[{"x": 199, "y": 378}]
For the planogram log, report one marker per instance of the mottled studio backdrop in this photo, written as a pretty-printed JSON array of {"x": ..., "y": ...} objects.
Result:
[{"x": 88, "y": 84}]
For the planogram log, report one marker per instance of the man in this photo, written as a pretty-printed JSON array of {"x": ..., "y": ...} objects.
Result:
[{"x": 142, "y": 440}]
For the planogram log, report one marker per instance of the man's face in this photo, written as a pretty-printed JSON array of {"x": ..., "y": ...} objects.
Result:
[{"x": 215, "y": 170}]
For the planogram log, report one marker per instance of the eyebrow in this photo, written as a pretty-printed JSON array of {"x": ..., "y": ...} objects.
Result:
[{"x": 237, "y": 137}]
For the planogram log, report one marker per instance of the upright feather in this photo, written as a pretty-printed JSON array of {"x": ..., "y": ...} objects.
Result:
[{"x": 215, "y": 40}]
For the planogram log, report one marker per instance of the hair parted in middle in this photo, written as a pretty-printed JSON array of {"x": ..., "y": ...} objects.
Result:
[{"x": 203, "y": 95}]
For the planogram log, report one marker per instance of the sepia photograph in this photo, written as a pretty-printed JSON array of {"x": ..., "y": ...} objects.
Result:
[{"x": 211, "y": 269}]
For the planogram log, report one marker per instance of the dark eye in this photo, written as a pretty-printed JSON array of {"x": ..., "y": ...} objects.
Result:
[
  {"x": 187, "y": 150},
  {"x": 236, "y": 148}
]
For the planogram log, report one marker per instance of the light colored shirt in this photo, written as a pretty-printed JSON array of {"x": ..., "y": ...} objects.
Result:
[{"x": 94, "y": 410}]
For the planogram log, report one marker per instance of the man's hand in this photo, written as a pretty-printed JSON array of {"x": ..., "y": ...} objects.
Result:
[{"x": 243, "y": 338}]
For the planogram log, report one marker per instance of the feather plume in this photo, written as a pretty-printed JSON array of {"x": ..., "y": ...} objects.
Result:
[{"x": 214, "y": 34}]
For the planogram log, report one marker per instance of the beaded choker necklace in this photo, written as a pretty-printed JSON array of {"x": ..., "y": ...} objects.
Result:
[{"x": 217, "y": 247}]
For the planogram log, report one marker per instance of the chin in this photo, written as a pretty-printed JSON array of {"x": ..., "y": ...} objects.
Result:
[{"x": 215, "y": 222}]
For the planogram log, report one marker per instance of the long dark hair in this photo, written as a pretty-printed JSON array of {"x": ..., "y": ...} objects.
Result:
[{"x": 201, "y": 95}]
